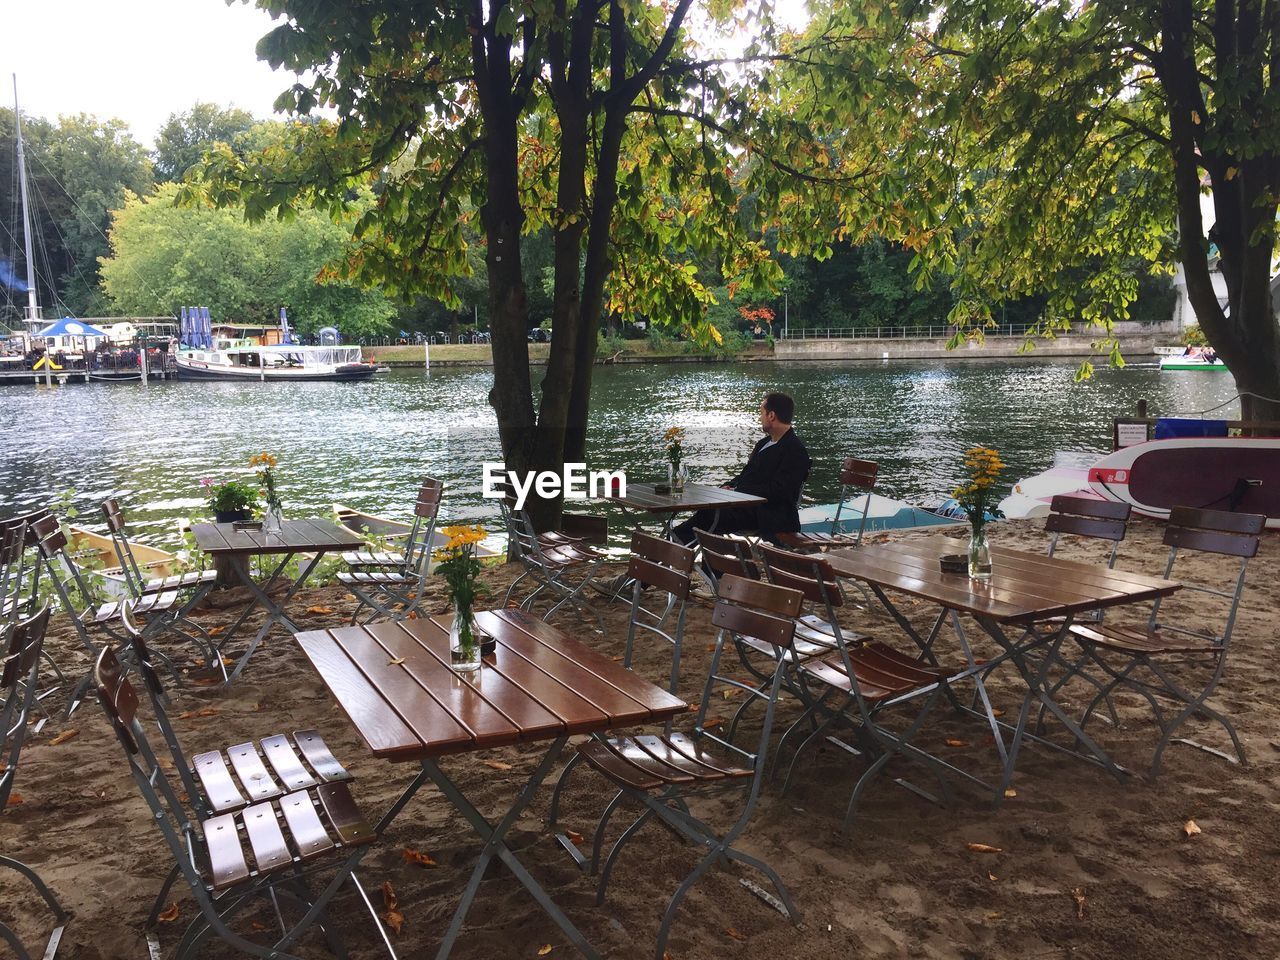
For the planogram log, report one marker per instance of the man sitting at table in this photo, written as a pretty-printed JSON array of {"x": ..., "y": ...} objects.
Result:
[{"x": 776, "y": 470}]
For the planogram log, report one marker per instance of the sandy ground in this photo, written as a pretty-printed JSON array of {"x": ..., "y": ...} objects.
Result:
[{"x": 1087, "y": 867}]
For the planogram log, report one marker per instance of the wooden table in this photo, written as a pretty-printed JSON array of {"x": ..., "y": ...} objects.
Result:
[
  {"x": 540, "y": 686},
  {"x": 1025, "y": 589},
  {"x": 694, "y": 497},
  {"x": 223, "y": 542}
]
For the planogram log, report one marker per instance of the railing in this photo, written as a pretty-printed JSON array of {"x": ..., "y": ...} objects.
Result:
[{"x": 941, "y": 332}]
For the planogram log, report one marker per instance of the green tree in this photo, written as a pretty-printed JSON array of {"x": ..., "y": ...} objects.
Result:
[
  {"x": 185, "y": 136},
  {"x": 164, "y": 255},
  {"x": 1041, "y": 147},
  {"x": 592, "y": 120}
]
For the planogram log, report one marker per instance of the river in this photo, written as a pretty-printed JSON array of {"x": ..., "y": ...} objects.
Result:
[{"x": 368, "y": 445}]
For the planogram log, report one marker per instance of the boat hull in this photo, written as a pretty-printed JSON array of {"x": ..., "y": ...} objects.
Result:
[
  {"x": 1204, "y": 472},
  {"x": 195, "y": 370},
  {"x": 86, "y": 544},
  {"x": 392, "y": 531},
  {"x": 1193, "y": 364},
  {"x": 885, "y": 514}
]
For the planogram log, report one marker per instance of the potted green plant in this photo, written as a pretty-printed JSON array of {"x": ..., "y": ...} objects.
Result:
[{"x": 230, "y": 500}]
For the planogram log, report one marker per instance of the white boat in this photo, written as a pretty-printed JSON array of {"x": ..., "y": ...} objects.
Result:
[
  {"x": 97, "y": 554},
  {"x": 247, "y": 360},
  {"x": 1031, "y": 496},
  {"x": 1195, "y": 362},
  {"x": 883, "y": 513}
]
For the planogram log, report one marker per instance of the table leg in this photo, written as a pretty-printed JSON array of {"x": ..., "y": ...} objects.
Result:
[
  {"x": 495, "y": 846},
  {"x": 275, "y": 612}
]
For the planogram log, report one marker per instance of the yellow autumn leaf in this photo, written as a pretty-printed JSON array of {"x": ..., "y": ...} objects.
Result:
[
  {"x": 64, "y": 736},
  {"x": 982, "y": 848},
  {"x": 496, "y": 764},
  {"x": 168, "y": 914},
  {"x": 1191, "y": 828},
  {"x": 544, "y": 949}
]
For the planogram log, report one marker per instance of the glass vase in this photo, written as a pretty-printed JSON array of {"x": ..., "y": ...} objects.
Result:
[
  {"x": 676, "y": 476},
  {"x": 464, "y": 642},
  {"x": 979, "y": 554},
  {"x": 273, "y": 520}
]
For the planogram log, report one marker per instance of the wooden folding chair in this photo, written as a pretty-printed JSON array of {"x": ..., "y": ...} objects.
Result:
[
  {"x": 857, "y": 478},
  {"x": 1138, "y": 657},
  {"x": 267, "y": 846},
  {"x": 662, "y": 772},
  {"x": 661, "y": 577},
  {"x": 853, "y": 682},
  {"x": 723, "y": 556},
  {"x": 394, "y": 589},
  {"x": 19, "y": 678}
]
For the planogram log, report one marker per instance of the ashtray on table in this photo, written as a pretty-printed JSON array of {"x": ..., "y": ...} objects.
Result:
[
  {"x": 954, "y": 563},
  {"x": 247, "y": 525},
  {"x": 662, "y": 488}
]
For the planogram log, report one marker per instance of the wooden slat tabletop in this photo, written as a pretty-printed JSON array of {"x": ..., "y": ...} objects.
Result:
[
  {"x": 312, "y": 536},
  {"x": 395, "y": 683},
  {"x": 1024, "y": 587},
  {"x": 696, "y": 496}
]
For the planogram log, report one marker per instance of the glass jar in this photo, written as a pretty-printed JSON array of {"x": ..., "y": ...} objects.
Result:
[
  {"x": 464, "y": 642},
  {"x": 979, "y": 553},
  {"x": 273, "y": 520},
  {"x": 677, "y": 476}
]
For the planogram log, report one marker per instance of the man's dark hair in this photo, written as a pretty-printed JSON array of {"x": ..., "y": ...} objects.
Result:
[{"x": 780, "y": 405}]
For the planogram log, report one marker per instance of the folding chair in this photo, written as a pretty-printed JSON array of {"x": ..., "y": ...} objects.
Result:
[
  {"x": 662, "y": 772},
  {"x": 1124, "y": 653},
  {"x": 19, "y": 677},
  {"x": 19, "y": 584},
  {"x": 660, "y": 571},
  {"x": 191, "y": 587},
  {"x": 856, "y": 681},
  {"x": 857, "y": 478},
  {"x": 556, "y": 563},
  {"x": 425, "y": 511},
  {"x": 397, "y": 593},
  {"x": 288, "y": 837},
  {"x": 723, "y": 555}
]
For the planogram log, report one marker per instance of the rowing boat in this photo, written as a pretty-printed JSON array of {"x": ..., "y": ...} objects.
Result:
[{"x": 98, "y": 554}]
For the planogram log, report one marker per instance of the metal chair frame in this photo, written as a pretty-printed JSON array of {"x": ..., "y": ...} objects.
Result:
[
  {"x": 660, "y": 570},
  {"x": 1236, "y": 534},
  {"x": 772, "y": 621},
  {"x": 397, "y": 593},
  {"x": 549, "y": 561},
  {"x": 187, "y": 843},
  {"x": 19, "y": 678}
]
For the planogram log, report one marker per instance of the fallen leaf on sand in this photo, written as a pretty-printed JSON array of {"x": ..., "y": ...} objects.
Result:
[
  {"x": 1010, "y": 793},
  {"x": 1190, "y": 828},
  {"x": 320, "y": 611},
  {"x": 1078, "y": 896},
  {"x": 993, "y": 916},
  {"x": 417, "y": 856},
  {"x": 575, "y": 837},
  {"x": 72, "y": 733},
  {"x": 711, "y": 648},
  {"x": 207, "y": 712},
  {"x": 992, "y": 877},
  {"x": 615, "y": 659},
  {"x": 228, "y": 662},
  {"x": 14, "y": 800},
  {"x": 496, "y": 764},
  {"x": 956, "y": 743},
  {"x": 395, "y": 661},
  {"x": 982, "y": 848},
  {"x": 997, "y": 712},
  {"x": 544, "y": 949},
  {"x": 712, "y": 722},
  {"x": 168, "y": 914},
  {"x": 734, "y": 934},
  {"x": 258, "y": 926},
  {"x": 730, "y": 693},
  {"x": 215, "y": 631},
  {"x": 393, "y": 917},
  {"x": 413, "y": 614}
]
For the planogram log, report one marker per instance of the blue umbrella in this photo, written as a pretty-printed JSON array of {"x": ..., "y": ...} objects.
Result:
[
  {"x": 206, "y": 328},
  {"x": 284, "y": 328}
]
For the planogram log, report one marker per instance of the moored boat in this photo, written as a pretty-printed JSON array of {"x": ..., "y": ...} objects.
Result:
[
  {"x": 883, "y": 513},
  {"x": 393, "y": 532},
  {"x": 99, "y": 556},
  {"x": 245, "y": 360},
  {"x": 1196, "y": 362}
]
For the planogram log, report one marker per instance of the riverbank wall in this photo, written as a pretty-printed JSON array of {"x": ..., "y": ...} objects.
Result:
[{"x": 1133, "y": 345}]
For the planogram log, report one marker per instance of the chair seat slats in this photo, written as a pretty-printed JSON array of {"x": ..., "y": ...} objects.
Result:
[
  {"x": 1141, "y": 639},
  {"x": 317, "y": 753},
  {"x": 804, "y": 648},
  {"x": 284, "y": 761},
  {"x": 253, "y": 775},
  {"x": 372, "y": 558},
  {"x": 216, "y": 781},
  {"x": 374, "y": 577},
  {"x": 879, "y": 671},
  {"x": 227, "y": 865},
  {"x": 309, "y": 835},
  {"x": 183, "y": 581},
  {"x": 266, "y": 840},
  {"x": 646, "y": 763},
  {"x": 344, "y": 816}
]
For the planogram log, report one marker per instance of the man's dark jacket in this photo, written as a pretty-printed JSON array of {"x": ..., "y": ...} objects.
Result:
[{"x": 777, "y": 474}]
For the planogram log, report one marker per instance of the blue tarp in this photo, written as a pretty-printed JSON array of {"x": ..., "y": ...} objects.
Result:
[
  {"x": 1169, "y": 428},
  {"x": 70, "y": 327}
]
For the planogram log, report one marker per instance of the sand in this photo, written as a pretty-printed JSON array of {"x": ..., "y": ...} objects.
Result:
[{"x": 1088, "y": 867}]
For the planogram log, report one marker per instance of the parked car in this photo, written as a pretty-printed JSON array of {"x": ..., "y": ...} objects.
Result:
[{"x": 538, "y": 335}]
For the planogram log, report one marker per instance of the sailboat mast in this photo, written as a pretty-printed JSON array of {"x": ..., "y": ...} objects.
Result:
[{"x": 33, "y": 301}]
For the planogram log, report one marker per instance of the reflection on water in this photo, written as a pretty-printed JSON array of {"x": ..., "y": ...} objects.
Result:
[{"x": 368, "y": 445}]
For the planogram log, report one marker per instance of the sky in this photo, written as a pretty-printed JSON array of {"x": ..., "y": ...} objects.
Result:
[{"x": 142, "y": 60}]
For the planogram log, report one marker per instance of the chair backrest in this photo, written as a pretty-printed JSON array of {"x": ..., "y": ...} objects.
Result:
[
  {"x": 417, "y": 552},
  {"x": 61, "y": 566},
  {"x": 114, "y": 516},
  {"x": 1210, "y": 531},
  {"x": 19, "y": 676},
  {"x": 857, "y": 477},
  {"x": 1085, "y": 517},
  {"x": 12, "y": 553},
  {"x": 811, "y": 574},
  {"x": 726, "y": 556},
  {"x": 666, "y": 568}
]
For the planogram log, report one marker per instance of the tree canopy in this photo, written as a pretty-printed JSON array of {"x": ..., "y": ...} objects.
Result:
[
  {"x": 164, "y": 255},
  {"x": 185, "y": 136}
]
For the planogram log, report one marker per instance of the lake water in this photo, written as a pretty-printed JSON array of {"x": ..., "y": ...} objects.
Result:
[{"x": 368, "y": 445}]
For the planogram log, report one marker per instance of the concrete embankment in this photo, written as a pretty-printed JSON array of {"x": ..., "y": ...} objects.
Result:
[{"x": 1132, "y": 344}]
